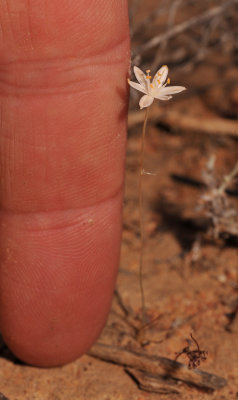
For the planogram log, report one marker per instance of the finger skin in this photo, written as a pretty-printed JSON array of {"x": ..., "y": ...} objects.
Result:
[{"x": 63, "y": 111}]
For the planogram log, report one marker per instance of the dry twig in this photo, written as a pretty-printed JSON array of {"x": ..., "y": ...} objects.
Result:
[
  {"x": 177, "y": 120},
  {"x": 153, "y": 383},
  {"x": 179, "y": 28},
  {"x": 156, "y": 366},
  {"x": 195, "y": 356},
  {"x": 215, "y": 203},
  {"x": 2, "y": 397}
]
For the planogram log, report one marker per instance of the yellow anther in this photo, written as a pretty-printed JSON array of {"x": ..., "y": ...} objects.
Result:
[
  {"x": 128, "y": 80},
  {"x": 168, "y": 81},
  {"x": 164, "y": 66},
  {"x": 147, "y": 71},
  {"x": 148, "y": 77},
  {"x": 158, "y": 81},
  {"x": 152, "y": 86}
]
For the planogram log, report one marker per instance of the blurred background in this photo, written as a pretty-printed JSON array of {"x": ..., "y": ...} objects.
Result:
[
  {"x": 190, "y": 272},
  {"x": 186, "y": 35}
]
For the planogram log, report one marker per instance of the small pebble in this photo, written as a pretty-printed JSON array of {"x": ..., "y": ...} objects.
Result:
[{"x": 222, "y": 278}]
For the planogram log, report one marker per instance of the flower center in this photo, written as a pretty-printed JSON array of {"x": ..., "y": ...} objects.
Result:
[{"x": 148, "y": 76}]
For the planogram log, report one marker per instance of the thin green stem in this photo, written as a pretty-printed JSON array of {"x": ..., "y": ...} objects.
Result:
[{"x": 141, "y": 217}]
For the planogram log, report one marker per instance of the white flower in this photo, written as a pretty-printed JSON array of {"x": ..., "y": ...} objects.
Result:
[{"x": 157, "y": 89}]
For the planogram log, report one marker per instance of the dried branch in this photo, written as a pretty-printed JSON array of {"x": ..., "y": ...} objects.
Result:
[
  {"x": 227, "y": 180},
  {"x": 153, "y": 383},
  {"x": 214, "y": 203},
  {"x": 2, "y": 397},
  {"x": 177, "y": 120},
  {"x": 171, "y": 18},
  {"x": 177, "y": 29},
  {"x": 157, "y": 366}
]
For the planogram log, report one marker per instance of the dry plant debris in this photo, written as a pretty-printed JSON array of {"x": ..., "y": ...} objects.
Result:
[
  {"x": 203, "y": 27},
  {"x": 2, "y": 397},
  {"x": 160, "y": 368},
  {"x": 215, "y": 202},
  {"x": 195, "y": 356}
]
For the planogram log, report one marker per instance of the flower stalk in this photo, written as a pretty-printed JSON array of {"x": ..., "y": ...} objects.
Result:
[
  {"x": 152, "y": 89},
  {"x": 141, "y": 217}
]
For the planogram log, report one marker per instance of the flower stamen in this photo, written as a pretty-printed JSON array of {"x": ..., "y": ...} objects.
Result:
[
  {"x": 168, "y": 81},
  {"x": 148, "y": 74}
]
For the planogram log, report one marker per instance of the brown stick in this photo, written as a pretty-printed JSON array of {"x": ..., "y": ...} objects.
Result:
[
  {"x": 179, "y": 28},
  {"x": 153, "y": 383},
  {"x": 176, "y": 120},
  {"x": 156, "y": 365},
  {"x": 2, "y": 397}
]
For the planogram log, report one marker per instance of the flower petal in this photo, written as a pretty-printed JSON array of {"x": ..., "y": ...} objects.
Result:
[
  {"x": 137, "y": 86},
  {"x": 162, "y": 97},
  {"x": 161, "y": 76},
  {"x": 146, "y": 101},
  {"x": 164, "y": 91},
  {"x": 140, "y": 76}
]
